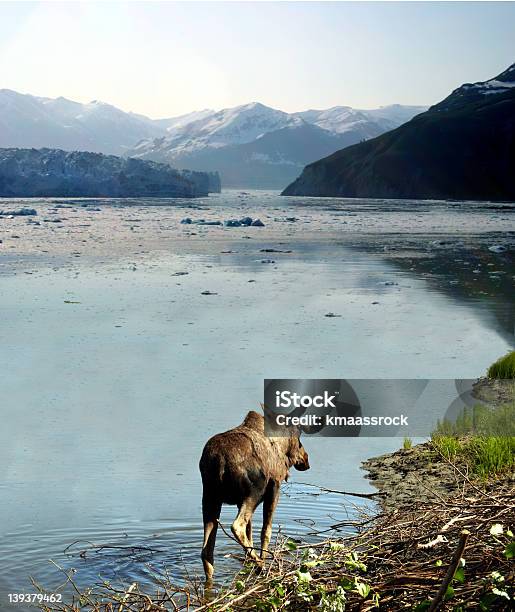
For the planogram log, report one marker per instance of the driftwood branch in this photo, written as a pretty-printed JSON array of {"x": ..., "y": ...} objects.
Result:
[
  {"x": 326, "y": 490},
  {"x": 451, "y": 570}
]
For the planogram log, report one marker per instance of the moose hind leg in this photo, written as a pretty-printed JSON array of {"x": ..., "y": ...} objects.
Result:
[
  {"x": 269, "y": 505},
  {"x": 240, "y": 527},
  {"x": 211, "y": 513}
]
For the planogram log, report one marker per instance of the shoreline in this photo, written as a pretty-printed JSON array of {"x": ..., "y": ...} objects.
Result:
[
  {"x": 421, "y": 472},
  {"x": 446, "y": 552},
  {"x": 411, "y": 474}
]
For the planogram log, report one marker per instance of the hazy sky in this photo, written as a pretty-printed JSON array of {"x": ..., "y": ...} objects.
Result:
[{"x": 166, "y": 58}]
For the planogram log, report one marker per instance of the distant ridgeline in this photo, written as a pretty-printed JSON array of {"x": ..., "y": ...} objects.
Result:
[
  {"x": 462, "y": 148},
  {"x": 57, "y": 173}
]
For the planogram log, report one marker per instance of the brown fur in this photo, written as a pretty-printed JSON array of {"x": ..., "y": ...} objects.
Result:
[{"x": 245, "y": 467}]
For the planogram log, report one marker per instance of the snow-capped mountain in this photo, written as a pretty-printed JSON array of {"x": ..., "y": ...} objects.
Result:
[
  {"x": 341, "y": 119},
  {"x": 31, "y": 121},
  {"x": 172, "y": 123},
  {"x": 469, "y": 92},
  {"x": 257, "y": 146},
  {"x": 251, "y": 145},
  {"x": 216, "y": 129},
  {"x": 267, "y": 161},
  {"x": 393, "y": 115}
]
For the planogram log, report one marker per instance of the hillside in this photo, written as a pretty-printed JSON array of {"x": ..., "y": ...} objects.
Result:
[
  {"x": 255, "y": 146},
  {"x": 461, "y": 148}
]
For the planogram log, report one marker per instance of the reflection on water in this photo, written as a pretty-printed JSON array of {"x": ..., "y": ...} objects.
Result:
[
  {"x": 467, "y": 274},
  {"x": 106, "y": 401}
]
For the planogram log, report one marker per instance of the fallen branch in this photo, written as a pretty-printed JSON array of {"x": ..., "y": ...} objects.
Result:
[
  {"x": 451, "y": 570},
  {"x": 364, "y": 495}
]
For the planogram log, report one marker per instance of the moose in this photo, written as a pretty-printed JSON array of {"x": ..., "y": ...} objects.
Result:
[{"x": 245, "y": 467}]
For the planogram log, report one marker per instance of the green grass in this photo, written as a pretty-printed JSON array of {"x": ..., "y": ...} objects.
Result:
[
  {"x": 407, "y": 444},
  {"x": 504, "y": 367},
  {"x": 486, "y": 456},
  {"x": 482, "y": 437},
  {"x": 490, "y": 455},
  {"x": 448, "y": 446}
]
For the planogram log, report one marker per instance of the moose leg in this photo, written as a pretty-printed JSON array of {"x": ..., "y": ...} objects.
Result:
[
  {"x": 211, "y": 513},
  {"x": 249, "y": 533},
  {"x": 269, "y": 506},
  {"x": 240, "y": 527}
]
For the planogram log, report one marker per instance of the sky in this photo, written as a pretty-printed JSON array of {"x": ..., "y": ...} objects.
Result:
[{"x": 163, "y": 59}]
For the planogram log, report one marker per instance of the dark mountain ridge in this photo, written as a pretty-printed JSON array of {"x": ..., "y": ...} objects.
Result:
[{"x": 461, "y": 148}]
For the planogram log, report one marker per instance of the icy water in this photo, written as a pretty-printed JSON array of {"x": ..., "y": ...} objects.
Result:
[{"x": 113, "y": 376}]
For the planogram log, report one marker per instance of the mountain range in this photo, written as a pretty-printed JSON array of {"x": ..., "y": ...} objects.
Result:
[
  {"x": 30, "y": 121},
  {"x": 251, "y": 145},
  {"x": 256, "y": 146},
  {"x": 461, "y": 148}
]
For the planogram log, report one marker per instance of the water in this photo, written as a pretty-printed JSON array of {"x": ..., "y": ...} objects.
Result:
[{"x": 106, "y": 403}]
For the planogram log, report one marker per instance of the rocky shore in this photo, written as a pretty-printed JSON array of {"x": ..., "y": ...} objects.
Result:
[
  {"x": 409, "y": 475},
  {"x": 494, "y": 392},
  {"x": 421, "y": 474}
]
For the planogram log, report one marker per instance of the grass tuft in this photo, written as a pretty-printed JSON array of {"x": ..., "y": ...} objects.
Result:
[
  {"x": 490, "y": 455},
  {"x": 483, "y": 437},
  {"x": 448, "y": 446},
  {"x": 504, "y": 367}
]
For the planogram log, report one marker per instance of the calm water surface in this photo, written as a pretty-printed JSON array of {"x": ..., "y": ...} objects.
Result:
[{"x": 106, "y": 403}]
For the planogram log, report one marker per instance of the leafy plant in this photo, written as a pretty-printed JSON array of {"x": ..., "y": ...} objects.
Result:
[
  {"x": 334, "y": 602},
  {"x": 352, "y": 562}
]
